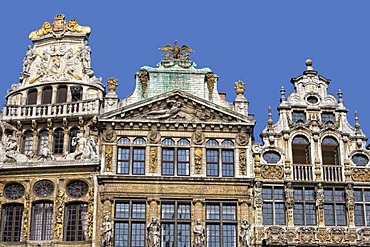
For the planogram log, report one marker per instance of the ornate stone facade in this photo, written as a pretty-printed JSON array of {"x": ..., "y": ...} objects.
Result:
[{"x": 174, "y": 163}]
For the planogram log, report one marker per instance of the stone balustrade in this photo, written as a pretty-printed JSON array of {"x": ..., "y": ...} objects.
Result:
[{"x": 12, "y": 112}]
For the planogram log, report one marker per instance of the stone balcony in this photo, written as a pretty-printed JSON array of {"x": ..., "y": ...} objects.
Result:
[{"x": 85, "y": 107}]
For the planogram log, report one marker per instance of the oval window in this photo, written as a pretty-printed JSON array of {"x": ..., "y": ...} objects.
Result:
[
  {"x": 312, "y": 99},
  {"x": 13, "y": 191},
  {"x": 360, "y": 159},
  {"x": 271, "y": 157},
  {"x": 77, "y": 189},
  {"x": 43, "y": 188}
]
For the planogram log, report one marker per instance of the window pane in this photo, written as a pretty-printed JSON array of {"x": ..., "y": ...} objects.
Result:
[
  {"x": 121, "y": 234},
  {"x": 229, "y": 236},
  {"x": 41, "y": 227},
  {"x": 183, "y": 235},
  {"x": 341, "y": 215},
  {"x": 228, "y": 212},
  {"x": 267, "y": 193},
  {"x": 123, "y": 160},
  {"x": 12, "y": 223},
  {"x": 359, "y": 215},
  {"x": 46, "y": 96},
  {"x": 168, "y": 211},
  {"x": 213, "y": 235},
  {"x": 122, "y": 210},
  {"x": 227, "y": 163},
  {"x": 62, "y": 95},
  {"x": 213, "y": 212},
  {"x": 183, "y": 161},
  {"x": 138, "y": 235},
  {"x": 298, "y": 214},
  {"x": 43, "y": 141},
  {"x": 279, "y": 213},
  {"x": 76, "y": 222},
  {"x": 58, "y": 141},
  {"x": 138, "y": 161},
  {"x": 212, "y": 162},
  {"x": 329, "y": 214},
  {"x": 183, "y": 211},
  {"x": 138, "y": 210},
  {"x": 310, "y": 214},
  {"x": 267, "y": 213},
  {"x": 168, "y": 161},
  {"x": 168, "y": 235}
]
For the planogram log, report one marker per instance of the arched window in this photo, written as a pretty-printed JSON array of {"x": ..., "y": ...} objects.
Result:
[
  {"x": 32, "y": 97},
  {"x": 73, "y": 134},
  {"x": 42, "y": 218},
  {"x": 43, "y": 141},
  {"x": 62, "y": 94},
  {"x": 330, "y": 151},
  {"x": 27, "y": 143},
  {"x": 220, "y": 158},
  {"x": 11, "y": 223},
  {"x": 131, "y": 159},
  {"x": 58, "y": 141},
  {"x": 46, "y": 95},
  {"x": 301, "y": 150}
]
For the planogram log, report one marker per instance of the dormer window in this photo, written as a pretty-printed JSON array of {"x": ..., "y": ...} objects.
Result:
[
  {"x": 327, "y": 118},
  {"x": 298, "y": 116}
]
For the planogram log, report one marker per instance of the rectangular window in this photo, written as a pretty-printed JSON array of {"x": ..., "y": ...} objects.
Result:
[
  {"x": 362, "y": 206},
  {"x": 304, "y": 207},
  {"x": 273, "y": 209},
  {"x": 221, "y": 223},
  {"x": 129, "y": 224},
  {"x": 175, "y": 224},
  {"x": 168, "y": 161},
  {"x": 183, "y": 162},
  {"x": 11, "y": 226},
  {"x": 212, "y": 162},
  {"x": 131, "y": 158},
  {"x": 334, "y": 207},
  {"x": 327, "y": 117},
  {"x": 227, "y": 163},
  {"x": 76, "y": 222}
]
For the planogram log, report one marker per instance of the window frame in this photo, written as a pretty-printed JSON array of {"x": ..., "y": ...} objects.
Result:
[
  {"x": 331, "y": 206},
  {"x": 58, "y": 141},
  {"x": 308, "y": 205},
  {"x": 277, "y": 202},
  {"x": 75, "y": 229},
  {"x": 364, "y": 202},
  {"x": 14, "y": 225},
  {"x": 175, "y": 160},
  {"x": 220, "y": 159},
  {"x": 135, "y": 153},
  {"x": 42, "y": 229}
]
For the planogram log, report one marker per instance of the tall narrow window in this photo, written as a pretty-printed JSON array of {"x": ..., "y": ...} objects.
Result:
[
  {"x": 175, "y": 160},
  {"x": 175, "y": 223},
  {"x": 131, "y": 158},
  {"x": 43, "y": 141},
  {"x": 273, "y": 209},
  {"x": 76, "y": 92},
  {"x": 27, "y": 143},
  {"x": 327, "y": 118},
  {"x": 334, "y": 207},
  {"x": 46, "y": 95},
  {"x": 304, "y": 206},
  {"x": 220, "y": 158},
  {"x": 362, "y": 207},
  {"x": 32, "y": 97},
  {"x": 58, "y": 141},
  {"x": 73, "y": 134},
  {"x": 42, "y": 217},
  {"x": 11, "y": 227},
  {"x": 330, "y": 151},
  {"x": 62, "y": 94},
  {"x": 301, "y": 150},
  {"x": 129, "y": 224},
  {"x": 76, "y": 222},
  {"x": 221, "y": 224}
]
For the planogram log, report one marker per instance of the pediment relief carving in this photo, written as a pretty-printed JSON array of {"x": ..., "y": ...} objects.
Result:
[{"x": 176, "y": 108}]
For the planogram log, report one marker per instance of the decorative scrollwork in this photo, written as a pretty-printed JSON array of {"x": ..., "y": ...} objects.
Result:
[
  {"x": 360, "y": 174},
  {"x": 272, "y": 172}
]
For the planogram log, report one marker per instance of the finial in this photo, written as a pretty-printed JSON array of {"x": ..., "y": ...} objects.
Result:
[
  {"x": 269, "y": 121},
  {"x": 357, "y": 125},
  {"x": 282, "y": 92},
  {"x": 309, "y": 64},
  {"x": 340, "y": 96},
  {"x": 239, "y": 88}
]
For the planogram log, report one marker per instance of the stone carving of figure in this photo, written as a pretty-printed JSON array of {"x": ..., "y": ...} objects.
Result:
[
  {"x": 84, "y": 56},
  {"x": 257, "y": 194},
  {"x": 244, "y": 236},
  {"x": 28, "y": 59},
  {"x": 289, "y": 195},
  {"x": 85, "y": 148},
  {"x": 319, "y": 191},
  {"x": 198, "y": 234},
  {"x": 45, "y": 153},
  {"x": 153, "y": 229},
  {"x": 349, "y": 196},
  {"x": 211, "y": 81},
  {"x": 143, "y": 78},
  {"x": 11, "y": 149},
  {"x": 109, "y": 135},
  {"x": 173, "y": 107},
  {"x": 198, "y": 138},
  {"x": 106, "y": 237}
]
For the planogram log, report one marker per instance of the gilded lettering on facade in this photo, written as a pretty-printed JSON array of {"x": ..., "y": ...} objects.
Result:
[
  {"x": 243, "y": 161},
  {"x": 153, "y": 159},
  {"x": 108, "y": 157},
  {"x": 198, "y": 153},
  {"x": 272, "y": 172}
]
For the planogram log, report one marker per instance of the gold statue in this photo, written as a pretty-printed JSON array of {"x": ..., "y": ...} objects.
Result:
[
  {"x": 177, "y": 51},
  {"x": 74, "y": 27},
  {"x": 44, "y": 30}
]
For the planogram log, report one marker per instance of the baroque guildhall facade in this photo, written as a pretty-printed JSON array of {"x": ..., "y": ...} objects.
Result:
[{"x": 174, "y": 163}]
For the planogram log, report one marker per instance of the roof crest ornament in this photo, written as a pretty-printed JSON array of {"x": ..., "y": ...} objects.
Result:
[
  {"x": 59, "y": 28},
  {"x": 180, "y": 56}
]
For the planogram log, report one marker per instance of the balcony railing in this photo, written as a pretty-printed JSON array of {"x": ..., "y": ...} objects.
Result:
[
  {"x": 52, "y": 110},
  {"x": 302, "y": 172},
  {"x": 332, "y": 173}
]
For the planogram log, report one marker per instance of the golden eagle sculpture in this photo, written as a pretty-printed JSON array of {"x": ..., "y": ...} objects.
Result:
[{"x": 177, "y": 51}]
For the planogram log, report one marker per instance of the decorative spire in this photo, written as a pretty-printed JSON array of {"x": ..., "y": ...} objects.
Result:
[
  {"x": 357, "y": 125},
  {"x": 340, "y": 96},
  {"x": 282, "y": 92},
  {"x": 309, "y": 64},
  {"x": 269, "y": 121}
]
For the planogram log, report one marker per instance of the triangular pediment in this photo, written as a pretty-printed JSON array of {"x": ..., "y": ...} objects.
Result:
[{"x": 176, "y": 106}]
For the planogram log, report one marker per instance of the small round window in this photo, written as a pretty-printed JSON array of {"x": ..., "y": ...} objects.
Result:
[
  {"x": 77, "y": 189},
  {"x": 360, "y": 159},
  {"x": 271, "y": 157},
  {"x": 43, "y": 188},
  {"x": 312, "y": 99},
  {"x": 13, "y": 191}
]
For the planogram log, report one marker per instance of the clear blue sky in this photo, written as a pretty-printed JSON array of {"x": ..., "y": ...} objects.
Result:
[{"x": 263, "y": 43}]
